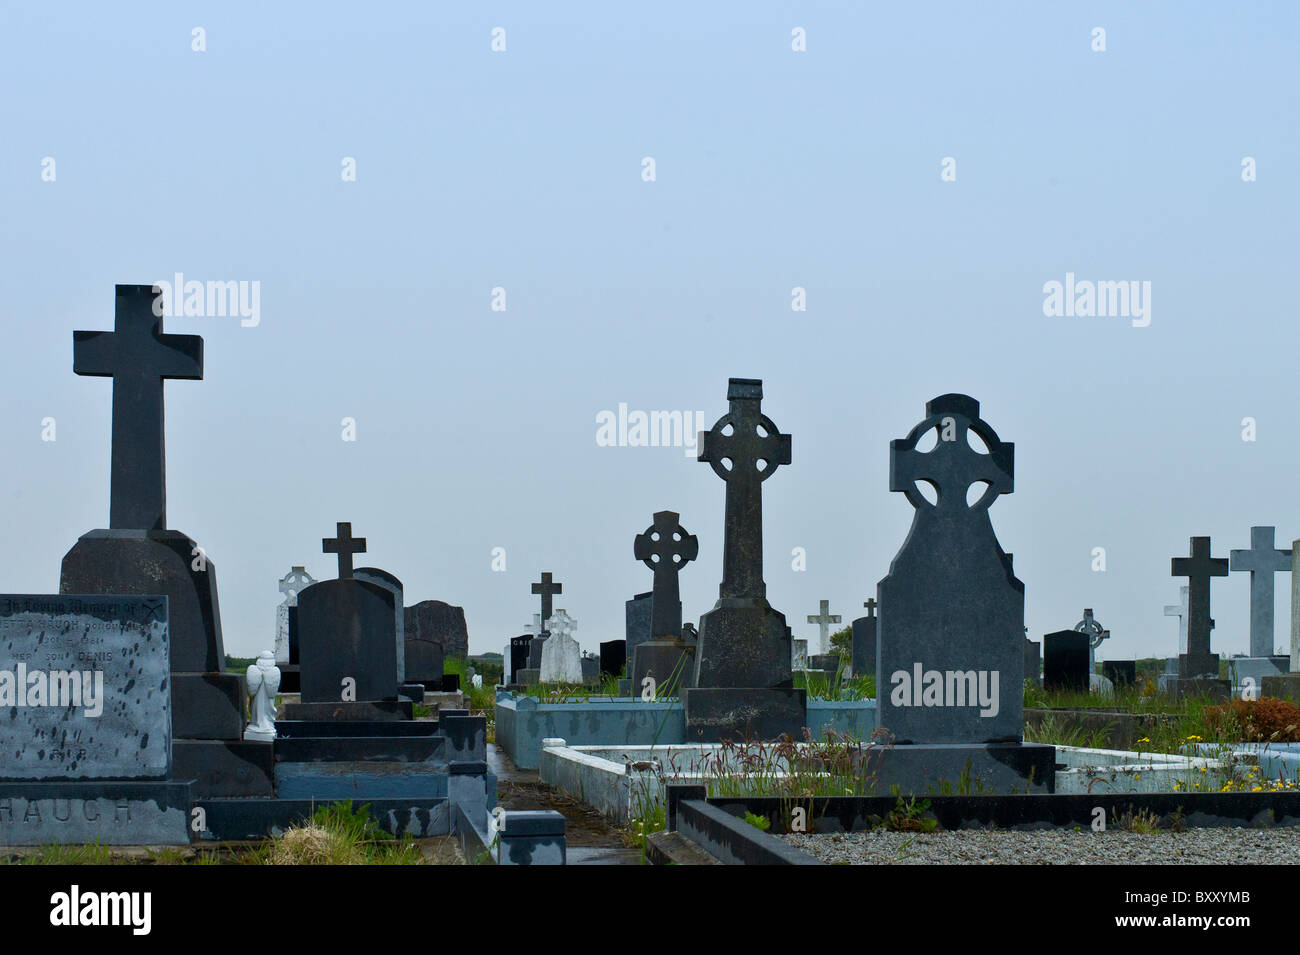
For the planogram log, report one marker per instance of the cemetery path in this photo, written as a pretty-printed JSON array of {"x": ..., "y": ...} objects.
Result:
[{"x": 590, "y": 838}]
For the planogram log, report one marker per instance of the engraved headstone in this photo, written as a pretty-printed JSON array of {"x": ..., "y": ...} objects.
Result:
[
  {"x": 743, "y": 684},
  {"x": 384, "y": 579},
  {"x": 950, "y": 657},
  {"x": 518, "y": 658}
]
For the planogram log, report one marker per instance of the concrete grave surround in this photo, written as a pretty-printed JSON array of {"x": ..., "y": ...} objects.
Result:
[
  {"x": 1263, "y": 560},
  {"x": 105, "y": 659},
  {"x": 944, "y": 618},
  {"x": 290, "y": 585},
  {"x": 384, "y": 579}
]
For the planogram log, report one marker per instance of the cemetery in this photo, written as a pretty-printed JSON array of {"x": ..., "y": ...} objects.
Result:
[{"x": 724, "y": 740}]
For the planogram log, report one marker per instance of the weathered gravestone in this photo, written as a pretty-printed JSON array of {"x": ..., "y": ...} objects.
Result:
[
  {"x": 286, "y": 626},
  {"x": 390, "y": 582},
  {"x": 86, "y": 733},
  {"x": 138, "y": 554},
  {"x": 637, "y": 614},
  {"x": 665, "y": 547},
  {"x": 864, "y": 641},
  {"x": 561, "y": 656},
  {"x": 1120, "y": 672},
  {"x": 799, "y": 653},
  {"x": 349, "y": 647},
  {"x": 1033, "y": 662},
  {"x": 435, "y": 631},
  {"x": 613, "y": 657},
  {"x": 1198, "y": 668},
  {"x": 1065, "y": 661},
  {"x": 743, "y": 685},
  {"x": 950, "y": 658},
  {"x": 1263, "y": 560},
  {"x": 824, "y": 618}
]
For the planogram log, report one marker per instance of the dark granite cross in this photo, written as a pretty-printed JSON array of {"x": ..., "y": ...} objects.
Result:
[
  {"x": 139, "y": 358},
  {"x": 1198, "y": 569},
  {"x": 665, "y": 548},
  {"x": 745, "y": 449},
  {"x": 952, "y": 466},
  {"x": 547, "y": 591},
  {"x": 1263, "y": 560},
  {"x": 345, "y": 545},
  {"x": 870, "y": 604}
]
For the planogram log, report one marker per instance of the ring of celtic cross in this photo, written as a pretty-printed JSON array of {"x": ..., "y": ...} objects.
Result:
[
  {"x": 765, "y": 444},
  {"x": 952, "y": 465}
]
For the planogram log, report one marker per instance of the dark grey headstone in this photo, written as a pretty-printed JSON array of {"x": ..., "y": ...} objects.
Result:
[
  {"x": 1199, "y": 568},
  {"x": 1065, "y": 661},
  {"x": 439, "y": 622},
  {"x": 84, "y": 687},
  {"x": 519, "y": 647},
  {"x": 864, "y": 641},
  {"x": 347, "y": 631},
  {"x": 1033, "y": 662},
  {"x": 950, "y": 664},
  {"x": 590, "y": 669},
  {"x": 535, "y": 651},
  {"x": 830, "y": 662},
  {"x": 637, "y": 617},
  {"x": 384, "y": 579},
  {"x": 613, "y": 657},
  {"x": 424, "y": 661},
  {"x": 1120, "y": 672}
]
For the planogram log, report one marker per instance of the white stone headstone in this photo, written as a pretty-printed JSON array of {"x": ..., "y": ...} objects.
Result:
[
  {"x": 291, "y": 584},
  {"x": 799, "y": 654},
  {"x": 561, "y": 656}
]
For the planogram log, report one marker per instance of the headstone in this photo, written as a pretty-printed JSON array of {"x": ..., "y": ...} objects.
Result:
[
  {"x": 1096, "y": 634},
  {"x": 390, "y": 582},
  {"x": 1065, "y": 661},
  {"x": 535, "y": 648},
  {"x": 139, "y": 555},
  {"x": 290, "y": 584},
  {"x": 864, "y": 641},
  {"x": 743, "y": 683},
  {"x": 435, "y": 621},
  {"x": 263, "y": 679},
  {"x": 665, "y": 547},
  {"x": 1199, "y": 568},
  {"x": 637, "y": 619},
  {"x": 950, "y": 658},
  {"x": 830, "y": 662},
  {"x": 799, "y": 657},
  {"x": 349, "y": 646},
  {"x": 1179, "y": 610},
  {"x": 590, "y": 669},
  {"x": 824, "y": 618},
  {"x": 1033, "y": 662},
  {"x": 1120, "y": 672},
  {"x": 613, "y": 657},
  {"x": 561, "y": 656},
  {"x": 1263, "y": 560},
  {"x": 518, "y": 658}
]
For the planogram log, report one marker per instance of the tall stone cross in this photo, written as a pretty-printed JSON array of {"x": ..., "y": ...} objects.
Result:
[
  {"x": 744, "y": 448},
  {"x": 547, "y": 590},
  {"x": 1096, "y": 634},
  {"x": 1179, "y": 610},
  {"x": 139, "y": 358},
  {"x": 1198, "y": 568},
  {"x": 345, "y": 545},
  {"x": 665, "y": 547},
  {"x": 1263, "y": 560},
  {"x": 870, "y": 604},
  {"x": 823, "y": 620}
]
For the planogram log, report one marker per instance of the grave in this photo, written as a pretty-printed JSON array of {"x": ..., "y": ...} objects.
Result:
[
  {"x": 436, "y": 621},
  {"x": 950, "y": 653},
  {"x": 1179, "y": 610},
  {"x": 799, "y": 654},
  {"x": 546, "y": 588},
  {"x": 1198, "y": 668},
  {"x": 516, "y": 657},
  {"x": 1065, "y": 661},
  {"x": 1033, "y": 662},
  {"x": 666, "y": 658},
  {"x": 613, "y": 657},
  {"x": 824, "y": 618},
  {"x": 864, "y": 641},
  {"x": 1121, "y": 673},
  {"x": 1263, "y": 560},
  {"x": 1096, "y": 635},
  {"x": 1286, "y": 686},
  {"x": 390, "y": 583},
  {"x": 743, "y": 685},
  {"x": 637, "y": 614},
  {"x": 349, "y": 647},
  {"x": 137, "y": 554},
  {"x": 286, "y": 627},
  {"x": 561, "y": 656}
]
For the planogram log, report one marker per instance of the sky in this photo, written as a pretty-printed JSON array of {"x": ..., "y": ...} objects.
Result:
[{"x": 921, "y": 171}]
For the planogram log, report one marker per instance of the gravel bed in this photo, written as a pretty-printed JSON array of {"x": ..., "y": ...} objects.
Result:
[{"x": 1055, "y": 847}]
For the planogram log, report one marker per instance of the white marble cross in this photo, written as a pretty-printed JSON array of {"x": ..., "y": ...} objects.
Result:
[{"x": 823, "y": 620}]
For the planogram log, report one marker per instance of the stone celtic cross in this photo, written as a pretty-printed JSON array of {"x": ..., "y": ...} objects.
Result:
[
  {"x": 1198, "y": 568},
  {"x": 665, "y": 547},
  {"x": 292, "y": 583},
  {"x": 744, "y": 448},
  {"x": 139, "y": 358},
  {"x": 345, "y": 545},
  {"x": 824, "y": 619},
  {"x": 1263, "y": 560},
  {"x": 1096, "y": 634},
  {"x": 547, "y": 590},
  {"x": 560, "y": 624},
  {"x": 952, "y": 466}
]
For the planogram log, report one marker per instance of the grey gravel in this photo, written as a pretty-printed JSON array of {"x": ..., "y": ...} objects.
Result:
[{"x": 1055, "y": 847}]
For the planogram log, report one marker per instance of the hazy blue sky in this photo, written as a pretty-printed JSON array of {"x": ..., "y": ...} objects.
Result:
[{"x": 522, "y": 169}]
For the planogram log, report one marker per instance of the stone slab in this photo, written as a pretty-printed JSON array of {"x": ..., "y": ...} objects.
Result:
[
  {"x": 377, "y": 710},
  {"x": 111, "y": 813},
  {"x": 389, "y": 581},
  {"x": 671, "y": 662},
  {"x": 84, "y": 687},
  {"x": 436, "y": 621},
  {"x": 713, "y": 714},
  {"x": 360, "y": 781},
  {"x": 743, "y": 642},
  {"x": 209, "y": 705},
  {"x": 346, "y": 631},
  {"x": 864, "y": 646},
  {"x": 225, "y": 767},
  {"x": 613, "y": 657},
  {"x": 1065, "y": 661}
]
